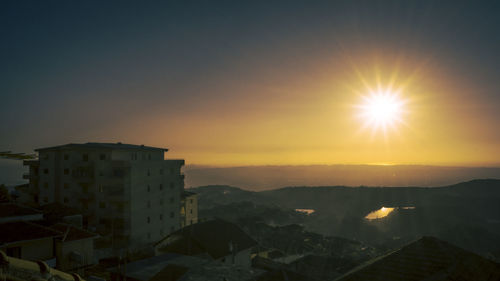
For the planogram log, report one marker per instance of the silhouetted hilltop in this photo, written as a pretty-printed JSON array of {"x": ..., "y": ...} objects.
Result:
[{"x": 467, "y": 213}]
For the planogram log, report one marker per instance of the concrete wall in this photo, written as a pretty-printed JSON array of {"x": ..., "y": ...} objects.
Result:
[
  {"x": 40, "y": 249},
  {"x": 241, "y": 258},
  {"x": 85, "y": 247}
]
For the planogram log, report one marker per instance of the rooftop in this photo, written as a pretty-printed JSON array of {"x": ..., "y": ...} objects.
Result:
[
  {"x": 101, "y": 145},
  {"x": 15, "y": 210},
  {"x": 24, "y": 231},
  {"x": 72, "y": 233},
  {"x": 215, "y": 237},
  {"x": 427, "y": 258}
]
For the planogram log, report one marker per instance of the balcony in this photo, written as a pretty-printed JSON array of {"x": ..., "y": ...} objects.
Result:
[{"x": 83, "y": 173}]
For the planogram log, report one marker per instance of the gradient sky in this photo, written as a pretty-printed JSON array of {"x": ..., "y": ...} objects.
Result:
[{"x": 250, "y": 83}]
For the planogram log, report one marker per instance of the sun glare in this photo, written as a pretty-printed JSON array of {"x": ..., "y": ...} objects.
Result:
[{"x": 381, "y": 110}]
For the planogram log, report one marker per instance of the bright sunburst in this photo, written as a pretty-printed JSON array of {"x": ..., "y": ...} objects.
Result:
[{"x": 381, "y": 110}]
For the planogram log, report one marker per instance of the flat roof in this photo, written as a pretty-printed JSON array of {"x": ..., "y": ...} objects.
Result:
[{"x": 102, "y": 145}]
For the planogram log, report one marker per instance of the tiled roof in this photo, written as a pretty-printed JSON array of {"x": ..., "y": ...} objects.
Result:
[
  {"x": 14, "y": 210},
  {"x": 72, "y": 233},
  {"x": 430, "y": 259},
  {"x": 101, "y": 145},
  {"x": 214, "y": 237},
  {"x": 24, "y": 231}
]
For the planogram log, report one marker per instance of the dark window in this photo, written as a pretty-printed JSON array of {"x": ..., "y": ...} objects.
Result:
[
  {"x": 46, "y": 185},
  {"x": 66, "y": 156},
  {"x": 35, "y": 198},
  {"x": 102, "y": 205},
  {"x": 191, "y": 211},
  {"x": 45, "y": 171},
  {"x": 161, "y": 201},
  {"x": 66, "y": 171},
  {"x": 85, "y": 157},
  {"x": 149, "y": 188},
  {"x": 161, "y": 171},
  {"x": 101, "y": 188},
  {"x": 102, "y": 157},
  {"x": 161, "y": 186},
  {"x": 66, "y": 185},
  {"x": 149, "y": 220},
  {"x": 161, "y": 217},
  {"x": 149, "y": 156},
  {"x": 45, "y": 199},
  {"x": 66, "y": 200},
  {"x": 14, "y": 252},
  {"x": 191, "y": 201}
]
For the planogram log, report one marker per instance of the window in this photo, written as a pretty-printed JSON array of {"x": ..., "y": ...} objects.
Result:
[
  {"x": 102, "y": 157},
  {"x": 66, "y": 157},
  {"x": 101, "y": 173},
  {"x": 191, "y": 211},
  {"x": 66, "y": 171},
  {"x": 161, "y": 171},
  {"x": 102, "y": 205},
  {"x": 161, "y": 217},
  {"x": 149, "y": 220},
  {"x": 161, "y": 186},
  {"x": 149, "y": 188},
  {"x": 101, "y": 188},
  {"x": 46, "y": 185},
  {"x": 171, "y": 214},
  {"x": 66, "y": 200},
  {"x": 45, "y": 171},
  {"x": 191, "y": 201},
  {"x": 36, "y": 198},
  {"x": 14, "y": 252},
  {"x": 66, "y": 185},
  {"x": 85, "y": 157}
]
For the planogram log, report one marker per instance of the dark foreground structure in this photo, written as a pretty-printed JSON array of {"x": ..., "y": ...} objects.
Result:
[{"x": 427, "y": 259}]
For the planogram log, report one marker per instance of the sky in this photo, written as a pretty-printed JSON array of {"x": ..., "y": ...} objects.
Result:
[{"x": 254, "y": 82}]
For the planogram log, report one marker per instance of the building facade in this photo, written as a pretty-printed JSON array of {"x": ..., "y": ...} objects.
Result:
[
  {"x": 189, "y": 208},
  {"x": 130, "y": 193}
]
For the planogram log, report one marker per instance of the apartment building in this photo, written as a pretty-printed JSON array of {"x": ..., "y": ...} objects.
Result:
[
  {"x": 128, "y": 192},
  {"x": 189, "y": 208}
]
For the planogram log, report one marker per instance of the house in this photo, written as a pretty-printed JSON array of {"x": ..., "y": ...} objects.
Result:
[
  {"x": 14, "y": 269},
  {"x": 27, "y": 240},
  {"x": 56, "y": 212},
  {"x": 11, "y": 212},
  {"x": 129, "y": 192},
  {"x": 189, "y": 208},
  {"x": 426, "y": 259},
  {"x": 74, "y": 249},
  {"x": 215, "y": 239}
]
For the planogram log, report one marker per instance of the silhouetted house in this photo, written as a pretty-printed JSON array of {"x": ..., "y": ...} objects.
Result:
[
  {"x": 216, "y": 239},
  {"x": 14, "y": 269},
  {"x": 427, "y": 259},
  {"x": 189, "y": 208},
  {"x": 126, "y": 191},
  {"x": 27, "y": 240},
  {"x": 75, "y": 248},
  {"x": 11, "y": 212}
]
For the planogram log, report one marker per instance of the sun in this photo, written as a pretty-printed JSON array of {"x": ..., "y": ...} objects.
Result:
[{"x": 382, "y": 110}]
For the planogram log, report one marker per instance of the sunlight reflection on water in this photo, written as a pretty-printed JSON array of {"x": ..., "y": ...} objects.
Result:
[{"x": 384, "y": 212}]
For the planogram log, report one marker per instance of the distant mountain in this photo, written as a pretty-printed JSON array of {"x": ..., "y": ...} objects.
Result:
[{"x": 257, "y": 178}]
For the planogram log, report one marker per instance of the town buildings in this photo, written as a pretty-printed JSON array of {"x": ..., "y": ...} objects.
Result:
[
  {"x": 129, "y": 193},
  {"x": 189, "y": 208}
]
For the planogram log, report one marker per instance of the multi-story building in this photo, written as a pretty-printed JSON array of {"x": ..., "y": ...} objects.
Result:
[
  {"x": 189, "y": 208},
  {"x": 128, "y": 192}
]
